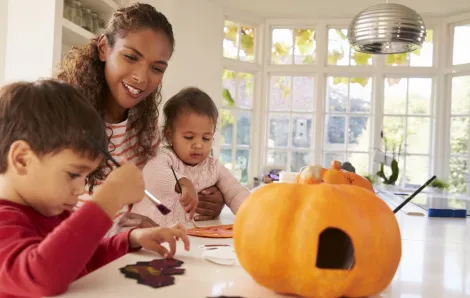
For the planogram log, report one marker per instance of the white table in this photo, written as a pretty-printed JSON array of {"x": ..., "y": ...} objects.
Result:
[{"x": 435, "y": 263}]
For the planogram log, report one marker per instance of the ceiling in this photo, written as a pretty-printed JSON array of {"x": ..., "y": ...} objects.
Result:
[{"x": 340, "y": 8}]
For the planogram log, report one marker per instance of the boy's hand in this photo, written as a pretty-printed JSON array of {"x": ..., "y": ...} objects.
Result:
[
  {"x": 152, "y": 238},
  {"x": 189, "y": 198},
  {"x": 124, "y": 185}
]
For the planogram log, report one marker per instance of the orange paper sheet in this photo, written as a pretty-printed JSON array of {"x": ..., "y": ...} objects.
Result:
[{"x": 220, "y": 231}]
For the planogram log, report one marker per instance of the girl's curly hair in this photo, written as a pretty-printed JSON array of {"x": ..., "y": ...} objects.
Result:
[{"x": 82, "y": 68}]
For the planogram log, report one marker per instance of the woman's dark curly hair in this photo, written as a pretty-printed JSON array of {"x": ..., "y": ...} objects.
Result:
[{"x": 82, "y": 68}]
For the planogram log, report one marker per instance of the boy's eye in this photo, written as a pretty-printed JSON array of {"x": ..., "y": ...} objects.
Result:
[
  {"x": 73, "y": 175},
  {"x": 130, "y": 57},
  {"x": 156, "y": 69},
  {"x": 206, "y": 139},
  {"x": 188, "y": 138}
]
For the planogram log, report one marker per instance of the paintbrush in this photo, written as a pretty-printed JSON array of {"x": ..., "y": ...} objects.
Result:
[
  {"x": 181, "y": 191},
  {"x": 414, "y": 194},
  {"x": 162, "y": 208}
]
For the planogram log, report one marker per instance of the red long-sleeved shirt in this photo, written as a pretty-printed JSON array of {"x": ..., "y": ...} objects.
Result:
[{"x": 42, "y": 256}]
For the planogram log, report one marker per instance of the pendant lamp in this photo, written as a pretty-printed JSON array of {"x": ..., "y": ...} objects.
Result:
[{"x": 387, "y": 28}]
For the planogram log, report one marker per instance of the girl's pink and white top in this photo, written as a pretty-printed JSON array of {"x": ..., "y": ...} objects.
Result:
[{"x": 160, "y": 181}]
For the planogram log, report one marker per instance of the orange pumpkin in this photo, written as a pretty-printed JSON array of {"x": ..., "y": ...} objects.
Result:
[
  {"x": 334, "y": 175},
  {"x": 318, "y": 240}
]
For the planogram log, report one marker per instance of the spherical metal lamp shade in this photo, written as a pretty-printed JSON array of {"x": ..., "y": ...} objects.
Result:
[{"x": 387, "y": 28}]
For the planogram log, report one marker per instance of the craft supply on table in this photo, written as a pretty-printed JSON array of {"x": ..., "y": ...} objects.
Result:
[
  {"x": 219, "y": 231},
  {"x": 456, "y": 213},
  {"x": 156, "y": 273}
]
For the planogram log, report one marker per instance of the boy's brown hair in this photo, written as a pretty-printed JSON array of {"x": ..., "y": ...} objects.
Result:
[
  {"x": 189, "y": 100},
  {"x": 50, "y": 116}
]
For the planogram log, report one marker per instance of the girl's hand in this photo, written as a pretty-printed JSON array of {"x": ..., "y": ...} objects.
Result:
[
  {"x": 153, "y": 238},
  {"x": 189, "y": 198}
]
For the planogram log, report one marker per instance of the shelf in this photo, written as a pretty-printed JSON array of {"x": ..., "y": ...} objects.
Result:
[
  {"x": 100, "y": 6},
  {"x": 72, "y": 34}
]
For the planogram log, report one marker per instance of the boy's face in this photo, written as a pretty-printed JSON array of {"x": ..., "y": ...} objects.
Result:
[{"x": 50, "y": 184}]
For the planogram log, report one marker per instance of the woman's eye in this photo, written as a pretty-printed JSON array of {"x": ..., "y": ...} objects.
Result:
[
  {"x": 73, "y": 175},
  {"x": 130, "y": 57}
]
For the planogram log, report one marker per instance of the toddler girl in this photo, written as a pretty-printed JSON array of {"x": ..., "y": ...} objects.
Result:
[{"x": 190, "y": 123}]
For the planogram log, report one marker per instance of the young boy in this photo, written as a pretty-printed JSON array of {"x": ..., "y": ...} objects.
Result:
[{"x": 45, "y": 159}]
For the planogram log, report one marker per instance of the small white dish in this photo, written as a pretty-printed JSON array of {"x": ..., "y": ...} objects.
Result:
[{"x": 224, "y": 255}]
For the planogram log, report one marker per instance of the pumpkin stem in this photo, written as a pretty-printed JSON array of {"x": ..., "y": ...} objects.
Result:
[{"x": 336, "y": 164}]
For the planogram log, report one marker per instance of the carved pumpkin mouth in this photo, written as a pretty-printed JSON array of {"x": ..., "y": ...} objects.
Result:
[{"x": 335, "y": 250}]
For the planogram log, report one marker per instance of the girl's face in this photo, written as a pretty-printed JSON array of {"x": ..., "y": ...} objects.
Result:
[
  {"x": 191, "y": 137},
  {"x": 134, "y": 66}
]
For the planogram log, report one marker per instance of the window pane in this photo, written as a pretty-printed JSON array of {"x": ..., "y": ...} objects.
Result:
[
  {"x": 360, "y": 161},
  {"x": 461, "y": 95},
  {"x": 241, "y": 167},
  {"x": 243, "y": 128},
  {"x": 226, "y": 127},
  {"x": 245, "y": 90},
  {"x": 302, "y": 94},
  {"x": 280, "y": 93},
  {"x": 395, "y": 96},
  {"x": 328, "y": 157},
  {"x": 459, "y": 127},
  {"x": 359, "y": 133},
  {"x": 338, "y": 47},
  {"x": 304, "y": 46},
  {"x": 277, "y": 159},
  {"x": 247, "y": 43},
  {"x": 229, "y": 82},
  {"x": 417, "y": 170},
  {"x": 360, "y": 92},
  {"x": 301, "y": 131},
  {"x": 335, "y": 133},
  {"x": 225, "y": 158},
  {"x": 418, "y": 137},
  {"x": 394, "y": 133},
  {"x": 230, "y": 43},
  {"x": 458, "y": 172},
  {"x": 336, "y": 94},
  {"x": 461, "y": 54},
  {"x": 424, "y": 55},
  {"x": 360, "y": 58},
  {"x": 299, "y": 160},
  {"x": 397, "y": 59},
  {"x": 282, "y": 46},
  {"x": 278, "y": 130},
  {"x": 419, "y": 96}
]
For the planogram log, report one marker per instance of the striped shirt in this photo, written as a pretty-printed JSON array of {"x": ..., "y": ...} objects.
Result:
[{"x": 123, "y": 143}]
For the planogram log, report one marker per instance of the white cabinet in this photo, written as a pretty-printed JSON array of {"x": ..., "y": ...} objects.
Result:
[{"x": 73, "y": 34}]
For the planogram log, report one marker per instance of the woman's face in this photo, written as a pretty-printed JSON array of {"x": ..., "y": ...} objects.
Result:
[{"x": 135, "y": 65}]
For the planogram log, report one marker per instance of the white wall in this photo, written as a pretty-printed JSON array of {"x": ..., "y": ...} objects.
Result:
[
  {"x": 32, "y": 39},
  {"x": 3, "y": 37}
]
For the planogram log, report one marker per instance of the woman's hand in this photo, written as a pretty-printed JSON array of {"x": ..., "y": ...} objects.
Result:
[{"x": 211, "y": 203}]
